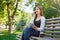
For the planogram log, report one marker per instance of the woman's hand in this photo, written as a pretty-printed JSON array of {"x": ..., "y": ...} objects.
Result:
[{"x": 34, "y": 27}]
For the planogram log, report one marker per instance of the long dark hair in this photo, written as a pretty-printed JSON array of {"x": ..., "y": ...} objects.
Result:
[{"x": 41, "y": 13}]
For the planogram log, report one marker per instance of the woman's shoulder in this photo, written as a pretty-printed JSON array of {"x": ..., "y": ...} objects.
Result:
[{"x": 42, "y": 17}]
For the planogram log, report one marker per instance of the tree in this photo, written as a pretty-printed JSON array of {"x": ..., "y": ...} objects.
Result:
[{"x": 11, "y": 12}]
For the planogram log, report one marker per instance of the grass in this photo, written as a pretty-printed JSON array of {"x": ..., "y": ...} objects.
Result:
[{"x": 5, "y": 36}]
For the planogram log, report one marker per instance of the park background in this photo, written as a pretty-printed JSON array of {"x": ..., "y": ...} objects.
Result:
[{"x": 15, "y": 15}]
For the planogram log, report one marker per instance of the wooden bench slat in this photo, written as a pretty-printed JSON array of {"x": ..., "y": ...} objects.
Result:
[
  {"x": 53, "y": 18},
  {"x": 56, "y": 36},
  {"x": 53, "y": 25},
  {"x": 52, "y": 28},
  {"x": 54, "y": 32},
  {"x": 47, "y": 38},
  {"x": 58, "y": 21}
]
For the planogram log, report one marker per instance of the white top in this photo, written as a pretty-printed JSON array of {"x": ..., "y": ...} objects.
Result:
[{"x": 42, "y": 23}]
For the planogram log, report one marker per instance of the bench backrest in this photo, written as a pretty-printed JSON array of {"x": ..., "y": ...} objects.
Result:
[{"x": 52, "y": 27}]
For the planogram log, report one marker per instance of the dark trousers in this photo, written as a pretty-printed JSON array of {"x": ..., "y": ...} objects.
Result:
[{"x": 29, "y": 32}]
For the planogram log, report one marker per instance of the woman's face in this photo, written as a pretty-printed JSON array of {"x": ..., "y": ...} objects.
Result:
[{"x": 37, "y": 10}]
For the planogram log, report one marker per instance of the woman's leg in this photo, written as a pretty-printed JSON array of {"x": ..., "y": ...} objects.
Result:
[
  {"x": 29, "y": 32},
  {"x": 35, "y": 33},
  {"x": 26, "y": 34}
]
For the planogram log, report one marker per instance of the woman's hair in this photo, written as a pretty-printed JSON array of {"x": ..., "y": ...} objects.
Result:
[{"x": 41, "y": 13}]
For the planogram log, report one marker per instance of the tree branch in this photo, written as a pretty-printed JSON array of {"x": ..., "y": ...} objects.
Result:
[{"x": 14, "y": 10}]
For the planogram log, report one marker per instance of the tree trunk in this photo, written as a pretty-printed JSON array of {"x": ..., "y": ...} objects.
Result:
[{"x": 9, "y": 17}]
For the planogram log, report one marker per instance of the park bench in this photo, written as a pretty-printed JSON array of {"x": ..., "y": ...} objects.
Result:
[{"x": 51, "y": 30}]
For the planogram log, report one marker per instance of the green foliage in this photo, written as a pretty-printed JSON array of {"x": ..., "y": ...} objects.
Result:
[
  {"x": 3, "y": 12},
  {"x": 20, "y": 25},
  {"x": 23, "y": 19},
  {"x": 2, "y": 7},
  {"x": 22, "y": 22},
  {"x": 48, "y": 9},
  {"x": 49, "y": 13}
]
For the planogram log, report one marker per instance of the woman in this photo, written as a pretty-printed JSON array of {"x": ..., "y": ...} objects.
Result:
[{"x": 37, "y": 24}]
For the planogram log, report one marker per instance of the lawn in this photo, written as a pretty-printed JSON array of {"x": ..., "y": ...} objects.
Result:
[{"x": 5, "y": 36}]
